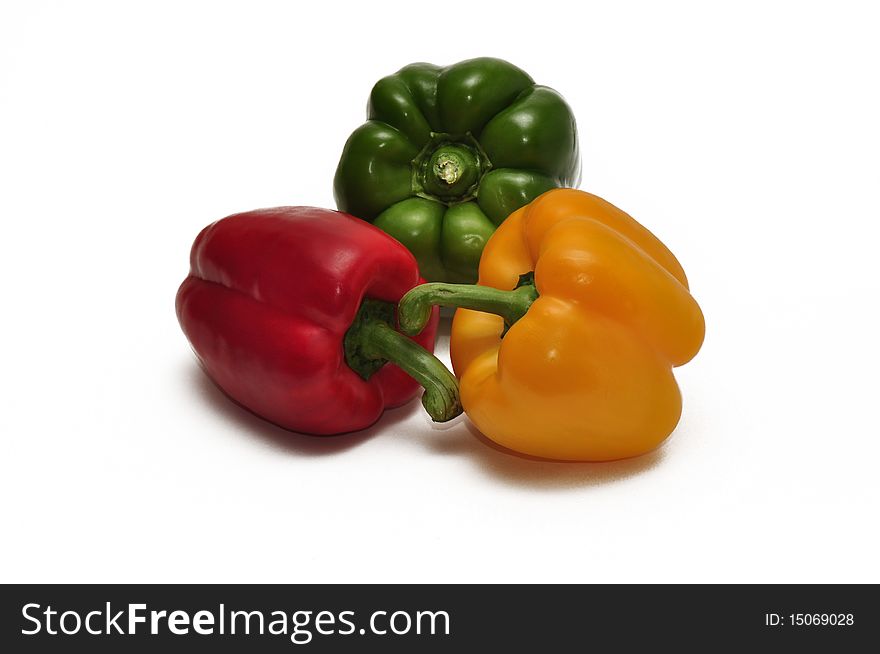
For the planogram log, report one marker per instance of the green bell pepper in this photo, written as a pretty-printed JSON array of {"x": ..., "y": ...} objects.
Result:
[{"x": 448, "y": 153}]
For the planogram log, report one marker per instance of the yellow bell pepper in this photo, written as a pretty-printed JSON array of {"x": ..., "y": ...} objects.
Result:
[{"x": 565, "y": 349}]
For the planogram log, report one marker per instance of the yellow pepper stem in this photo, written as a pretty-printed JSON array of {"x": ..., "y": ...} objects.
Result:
[{"x": 414, "y": 309}]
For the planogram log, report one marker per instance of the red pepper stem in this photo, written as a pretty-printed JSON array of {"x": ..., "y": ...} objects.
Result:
[
  {"x": 414, "y": 309},
  {"x": 377, "y": 340}
]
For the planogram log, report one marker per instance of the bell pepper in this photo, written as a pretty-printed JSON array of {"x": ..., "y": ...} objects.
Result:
[
  {"x": 448, "y": 153},
  {"x": 565, "y": 350},
  {"x": 291, "y": 311}
]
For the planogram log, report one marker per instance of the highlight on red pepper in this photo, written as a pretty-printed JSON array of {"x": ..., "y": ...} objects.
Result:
[
  {"x": 292, "y": 313},
  {"x": 566, "y": 346}
]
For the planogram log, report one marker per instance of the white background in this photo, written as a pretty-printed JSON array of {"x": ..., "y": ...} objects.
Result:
[{"x": 746, "y": 137}]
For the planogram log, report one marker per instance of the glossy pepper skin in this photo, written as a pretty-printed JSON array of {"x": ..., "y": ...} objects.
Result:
[
  {"x": 269, "y": 307},
  {"x": 448, "y": 153},
  {"x": 585, "y": 370}
]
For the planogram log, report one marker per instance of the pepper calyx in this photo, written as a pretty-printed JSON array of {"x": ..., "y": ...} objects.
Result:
[
  {"x": 449, "y": 168},
  {"x": 372, "y": 341}
]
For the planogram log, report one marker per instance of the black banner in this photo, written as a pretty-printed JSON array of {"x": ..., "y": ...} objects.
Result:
[{"x": 435, "y": 618}]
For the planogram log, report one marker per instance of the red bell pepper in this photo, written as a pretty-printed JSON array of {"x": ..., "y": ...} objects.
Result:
[{"x": 292, "y": 312}]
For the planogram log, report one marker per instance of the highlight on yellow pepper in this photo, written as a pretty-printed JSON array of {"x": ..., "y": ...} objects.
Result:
[{"x": 566, "y": 345}]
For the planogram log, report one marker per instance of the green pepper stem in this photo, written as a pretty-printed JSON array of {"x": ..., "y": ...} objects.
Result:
[
  {"x": 414, "y": 309},
  {"x": 448, "y": 168}
]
